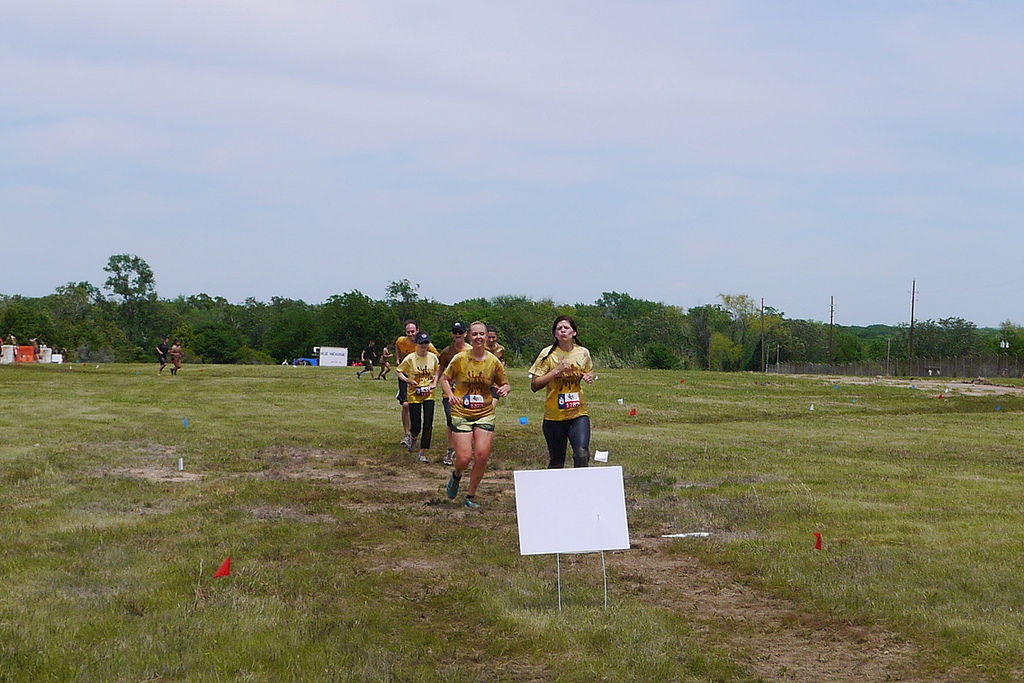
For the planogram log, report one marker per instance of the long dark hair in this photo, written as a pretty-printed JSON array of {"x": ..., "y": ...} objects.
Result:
[{"x": 572, "y": 324}]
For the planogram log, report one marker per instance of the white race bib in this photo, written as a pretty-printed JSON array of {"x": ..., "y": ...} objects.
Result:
[
  {"x": 569, "y": 400},
  {"x": 473, "y": 401}
]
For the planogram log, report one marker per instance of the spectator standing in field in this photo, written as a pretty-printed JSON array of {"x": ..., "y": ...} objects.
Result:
[
  {"x": 162, "y": 351},
  {"x": 368, "y": 357},
  {"x": 562, "y": 367},
  {"x": 405, "y": 345},
  {"x": 467, "y": 383},
  {"x": 457, "y": 346},
  {"x": 420, "y": 371},
  {"x": 385, "y": 366},
  {"x": 176, "y": 354}
]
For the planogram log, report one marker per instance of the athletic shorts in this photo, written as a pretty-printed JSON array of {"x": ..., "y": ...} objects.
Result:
[
  {"x": 462, "y": 424},
  {"x": 403, "y": 391}
]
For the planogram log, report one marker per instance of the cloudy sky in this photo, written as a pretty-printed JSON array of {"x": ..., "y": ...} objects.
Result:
[{"x": 672, "y": 150}]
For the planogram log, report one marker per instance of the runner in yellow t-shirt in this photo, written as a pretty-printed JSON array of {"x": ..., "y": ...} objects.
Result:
[
  {"x": 447, "y": 353},
  {"x": 420, "y": 371},
  {"x": 467, "y": 383},
  {"x": 405, "y": 345},
  {"x": 561, "y": 368}
]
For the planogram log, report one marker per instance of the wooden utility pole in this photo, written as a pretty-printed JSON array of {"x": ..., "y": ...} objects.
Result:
[
  {"x": 913, "y": 301},
  {"x": 764, "y": 352},
  {"x": 831, "y": 327}
]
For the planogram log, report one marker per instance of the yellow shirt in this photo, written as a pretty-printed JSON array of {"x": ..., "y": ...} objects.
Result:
[
  {"x": 471, "y": 383},
  {"x": 421, "y": 372},
  {"x": 565, "y": 399},
  {"x": 498, "y": 350},
  {"x": 404, "y": 346}
]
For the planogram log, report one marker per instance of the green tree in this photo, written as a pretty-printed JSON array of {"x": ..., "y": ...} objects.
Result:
[
  {"x": 724, "y": 353},
  {"x": 945, "y": 338},
  {"x": 218, "y": 342},
  {"x": 704, "y": 323},
  {"x": 352, "y": 319},
  {"x": 131, "y": 279},
  {"x": 660, "y": 356},
  {"x": 292, "y": 332},
  {"x": 26, "y": 319}
]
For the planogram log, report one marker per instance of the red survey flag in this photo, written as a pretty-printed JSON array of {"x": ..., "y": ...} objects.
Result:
[
  {"x": 817, "y": 541},
  {"x": 632, "y": 413},
  {"x": 225, "y": 569}
]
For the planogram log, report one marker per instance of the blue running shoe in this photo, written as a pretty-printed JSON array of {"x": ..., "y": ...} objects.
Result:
[
  {"x": 453, "y": 486},
  {"x": 471, "y": 503}
]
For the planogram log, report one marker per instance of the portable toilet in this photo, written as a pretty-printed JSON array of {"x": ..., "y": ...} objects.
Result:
[{"x": 7, "y": 353}]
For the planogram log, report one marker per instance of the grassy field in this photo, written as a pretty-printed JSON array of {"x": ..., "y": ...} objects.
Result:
[{"x": 349, "y": 564}]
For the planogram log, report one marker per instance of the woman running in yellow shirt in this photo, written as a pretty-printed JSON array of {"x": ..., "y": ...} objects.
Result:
[{"x": 467, "y": 383}]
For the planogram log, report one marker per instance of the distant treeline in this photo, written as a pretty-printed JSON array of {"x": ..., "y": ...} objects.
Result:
[{"x": 125, "y": 320}]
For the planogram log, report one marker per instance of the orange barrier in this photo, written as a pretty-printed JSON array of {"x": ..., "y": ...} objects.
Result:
[{"x": 26, "y": 354}]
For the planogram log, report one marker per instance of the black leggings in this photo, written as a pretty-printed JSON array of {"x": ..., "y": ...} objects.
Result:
[
  {"x": 422, "y": 414},
  {"x": 577, "y": 432}
]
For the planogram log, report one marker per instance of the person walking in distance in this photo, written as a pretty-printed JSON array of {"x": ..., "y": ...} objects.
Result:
[
  {"x": 561, "y": 368},
  {"x": 420, "y": 372},
  {"x": 467, "y": 383}
]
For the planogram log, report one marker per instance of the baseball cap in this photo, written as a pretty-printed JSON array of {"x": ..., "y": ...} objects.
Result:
[
  {"x": 458, "y": 327},
  {"x": 422, "y": 337}
]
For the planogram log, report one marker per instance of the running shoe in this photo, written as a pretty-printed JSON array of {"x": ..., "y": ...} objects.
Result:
[
  {"x": 471, "y": 503},
  {"x": 412, "y": 444},
  {"x": 407, "y": 441},
  {"x": 453, "y": 486},
  {"x": 449, "y": 457},
  {"x": 423, "y": 458}
]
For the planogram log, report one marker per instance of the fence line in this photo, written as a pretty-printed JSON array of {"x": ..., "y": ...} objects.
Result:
[{"x": 960, "y": 366}]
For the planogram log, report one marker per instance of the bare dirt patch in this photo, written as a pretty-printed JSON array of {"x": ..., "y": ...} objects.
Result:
[
  {"x": 160, "y": 474},
  {"x": 978, "y": 387},
  {"x": 781, "y": 641}
]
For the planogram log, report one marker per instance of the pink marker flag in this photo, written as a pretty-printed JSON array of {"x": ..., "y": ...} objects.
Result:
[{"x": 225, "y": 569}]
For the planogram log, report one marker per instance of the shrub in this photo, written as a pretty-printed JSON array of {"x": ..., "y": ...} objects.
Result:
[{"x": 660, "y": 356}]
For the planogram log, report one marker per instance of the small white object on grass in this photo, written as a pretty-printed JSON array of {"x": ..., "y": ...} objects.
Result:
[
  {"x": 601, "y": 456},
  {"x": 691, "y": 534}
]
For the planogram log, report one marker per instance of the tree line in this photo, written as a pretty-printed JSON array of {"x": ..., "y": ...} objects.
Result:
[{"x": 125, "y": 319}]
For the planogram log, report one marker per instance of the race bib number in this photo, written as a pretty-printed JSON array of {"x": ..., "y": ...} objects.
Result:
[
  {"x": 473, "y": 401},
  {"x": 423, "y": 391},
  {"x": 569, "y": 401}
]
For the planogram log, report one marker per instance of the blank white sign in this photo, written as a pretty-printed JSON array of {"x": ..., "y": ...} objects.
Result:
[{"x": 577, "y": 510}]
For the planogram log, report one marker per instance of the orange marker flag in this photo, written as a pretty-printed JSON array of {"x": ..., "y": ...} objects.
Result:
[
  {"x": 632, "y": 413},
  {"x": 817, "y": 541},
  {"x": 225, "y": 569}
]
